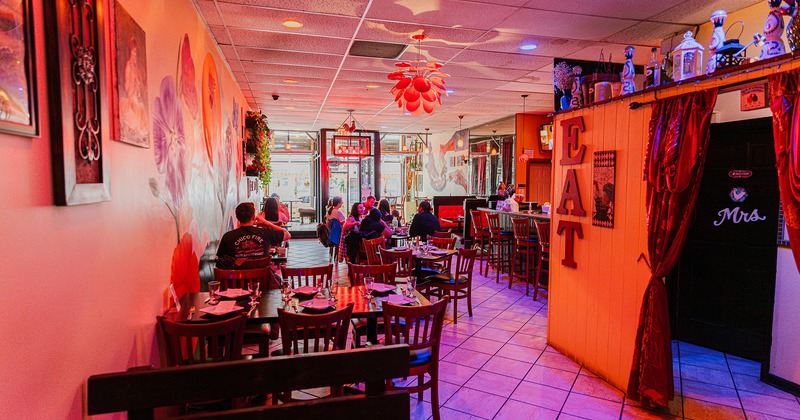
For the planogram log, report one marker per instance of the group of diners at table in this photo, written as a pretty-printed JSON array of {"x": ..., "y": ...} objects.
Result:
[{"x": 393, "y": 294}]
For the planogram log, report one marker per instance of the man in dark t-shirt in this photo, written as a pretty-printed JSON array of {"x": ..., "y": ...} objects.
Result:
[
  {"x": 424, "y": 222},
  {"x": 248, "y": 241}
]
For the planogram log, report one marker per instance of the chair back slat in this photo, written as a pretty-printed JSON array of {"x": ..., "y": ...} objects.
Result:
[
  {"x": 383, "y": 273},
  {"x": 317, "y": 332},
  {"x": 477, "y": 222},
  {"x": 543, "y": 230},
  {"x": 239, "y": 279},
  {"x": 403, "y": 259},
  {"x": 425, "y": 321},
  {"x": 308, "y": 276},
  {"x": 443, "y": 243},
  {"x": 372, "y": 248},
  {"x": 465, "y": 262},
  {"x": 442, "y": 234},
  {"x": 493, "y": 221},
  {"x": 190, "y": 343}
]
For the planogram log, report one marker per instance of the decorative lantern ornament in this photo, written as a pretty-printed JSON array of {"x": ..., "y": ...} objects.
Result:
[
  {"x": 773, "y": 30},
  {"x": 717, "y": 39},
  {"x": 419, "y": 84},
  {"x": 460, "y": 142},
  {"x": 687, "y": 56}
]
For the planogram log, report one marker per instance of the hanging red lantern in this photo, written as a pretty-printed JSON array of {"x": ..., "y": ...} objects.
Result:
[{"x": 419, "y": 84}]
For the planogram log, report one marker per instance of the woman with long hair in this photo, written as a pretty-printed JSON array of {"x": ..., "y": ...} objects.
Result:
[
  {"x": 386, "y": 210},
  {"x": 271, "y": 211},
  {"x": 352, "y": 222}
]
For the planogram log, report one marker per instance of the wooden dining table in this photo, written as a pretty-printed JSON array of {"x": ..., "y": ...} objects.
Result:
[
  {"x": 266, "y": 311},
  {"x": 437, "y": 255}
]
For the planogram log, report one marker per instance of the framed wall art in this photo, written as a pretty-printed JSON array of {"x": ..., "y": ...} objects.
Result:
[
  {"x": 130, "y": 62},
  {"x": 603, "y": 186},
  {"x": 18, "y": 111},
  {"x": 78, "y": 101}
]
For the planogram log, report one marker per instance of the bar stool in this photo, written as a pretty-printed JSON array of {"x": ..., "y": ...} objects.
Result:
[
  {"x": 480, "y": 235},
  {"x": 526, "y": 253},
  {"x": 499, "y": 246},
  {"x": 543, "y": 230}
]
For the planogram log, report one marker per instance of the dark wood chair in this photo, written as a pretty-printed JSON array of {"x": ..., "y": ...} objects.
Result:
[
  {"x": 526, "y": 253},
  {"x": 443, "y": 243},
  {"x": 254, "y": 334},
  {"x": 456, "y": 285},
  {"x": 372, "y": 248},
  {"x": 442, "y": 234},
  {"x": 383, "y": 273},
  {"x": 543, "y": 231},
  {"x": 421, "y": 328},
  {"x": 403, "y": 259},
  {"x": 308, "y": 276},
  {"x": 303, "y": 333},
  {"x": 193, "y": 343},
  {"x": 254, "y": 263},
  {"x": 480, "y": 234},
  {"x": 499, "y": 245}
]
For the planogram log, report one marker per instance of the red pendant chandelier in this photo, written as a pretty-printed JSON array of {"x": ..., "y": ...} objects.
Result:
[{"x": 419, "y": 84}]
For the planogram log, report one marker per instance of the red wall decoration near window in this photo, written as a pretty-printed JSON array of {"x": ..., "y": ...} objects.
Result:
[{"x": 351, "y": 146}]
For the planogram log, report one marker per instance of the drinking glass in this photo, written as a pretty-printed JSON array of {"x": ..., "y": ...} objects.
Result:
[
  {"x": 320, "y": 288},
  {"x": 285, "y": 290},
  {"x": 370, "y": 282},
  {"x": 213, "y": 292},
  {"x": 411, "y": 285},
  {"x": 334, "y": 290},
  {"x": 253, "y": 286}
]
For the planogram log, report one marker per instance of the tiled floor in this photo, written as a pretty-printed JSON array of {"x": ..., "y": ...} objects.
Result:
[{"x": 497, "y": 365}]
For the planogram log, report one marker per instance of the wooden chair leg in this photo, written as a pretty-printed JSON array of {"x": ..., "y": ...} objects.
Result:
[
  {"x": 469, "y": 300},
  {"x": 536, "y": 280},
  {"x": 420, "y": 379},
  {"x": 435, "y": 396},
  {"x": 455, "y": 304}
]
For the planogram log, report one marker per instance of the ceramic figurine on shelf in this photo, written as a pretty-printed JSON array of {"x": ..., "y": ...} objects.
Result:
[
  {"x": 628, "y": 72},
  {"x": 717, "y": 39},
  {"x": 793, "y": 27},
  {"x": 773, "y": 29},
  {"x": 577, "y": 98}
]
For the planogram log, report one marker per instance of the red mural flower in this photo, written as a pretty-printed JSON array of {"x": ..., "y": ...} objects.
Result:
[{"x": 185, "y": 272}]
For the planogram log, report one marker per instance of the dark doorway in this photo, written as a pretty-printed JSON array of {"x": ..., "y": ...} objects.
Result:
[{"x": 723, "y": 294}]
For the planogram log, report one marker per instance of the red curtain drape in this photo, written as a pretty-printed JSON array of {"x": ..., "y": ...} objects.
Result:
[
  {"x": 676, "y": 152},
  {"x": 784, "y": 102}
]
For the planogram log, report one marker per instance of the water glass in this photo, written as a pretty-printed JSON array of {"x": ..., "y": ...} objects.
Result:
[
  {"x": 213, "y": 292},
  {"x": 286, "y": 290},
  {"x": 334, "y": 290},
  {"x": 411, "y": 285},
  {"x": 370, "y": 282},
  {"x": 253, "y": 286}
]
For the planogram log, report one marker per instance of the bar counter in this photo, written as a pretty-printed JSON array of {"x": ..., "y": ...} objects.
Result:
[{"x": 537, "y": 216}]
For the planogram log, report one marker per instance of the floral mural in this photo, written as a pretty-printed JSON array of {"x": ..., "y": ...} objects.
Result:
[{"x": 169, "y": 141}]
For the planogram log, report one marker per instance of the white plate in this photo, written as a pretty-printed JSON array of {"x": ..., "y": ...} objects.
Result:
[
  {"x": 381, "y": 288},
  {"x": 305, "y": 290},
  {"x": 399, "y": 300}
]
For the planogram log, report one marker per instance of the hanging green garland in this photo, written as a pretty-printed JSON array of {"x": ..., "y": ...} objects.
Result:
[{"x": 258, "y": 143}]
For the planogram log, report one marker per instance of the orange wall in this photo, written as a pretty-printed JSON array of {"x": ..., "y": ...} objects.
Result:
[
  {"x": 529, "y": 140},
  {"x": 594, "y": 308},
  {"x": 82, "y": 285}
]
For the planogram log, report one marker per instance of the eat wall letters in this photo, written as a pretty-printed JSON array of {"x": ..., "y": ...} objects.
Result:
[{"x": 570, "y": 129}]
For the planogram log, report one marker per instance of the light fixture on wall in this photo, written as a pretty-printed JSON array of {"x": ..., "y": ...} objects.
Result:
[
  {"x": 426, "y": 150},
  {"x": 523, "y": 157},
  {"x": 419, "y": 84},
  {"x": 494, "y": 146},
  {"x": 460, "y": 142}
]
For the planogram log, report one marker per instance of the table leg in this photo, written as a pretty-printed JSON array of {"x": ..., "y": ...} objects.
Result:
[{"x": 372, "y": 330}]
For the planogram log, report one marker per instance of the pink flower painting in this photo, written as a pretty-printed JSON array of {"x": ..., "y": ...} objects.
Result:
[
  {"x": 187, "y": 82},
  {"x": 169, "y": 141}
]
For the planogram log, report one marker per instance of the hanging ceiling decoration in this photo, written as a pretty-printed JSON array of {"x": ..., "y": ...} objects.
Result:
[
  {"x": 523, "y": 157},
  {"x": 427, "y": 150},
  {"x": 419, "y": 84},
  {"x": 345, "y": 144},
  {"x": 460, "y": 142}
]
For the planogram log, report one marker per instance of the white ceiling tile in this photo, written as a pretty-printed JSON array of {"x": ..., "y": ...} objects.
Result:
[
  {"x": 647, "y": 33},
  {"x": 695, "y": 12},
  {"x": 254, "y": 57},
  {"x": 631, "y": 9},
  {"x": 209, "y": 12},
  {"x": 220, "y": 34},
  {"x": 395, "y": 32},
  {"x": 288, "y": 42},
  {"x": 641, "y": 55},
  {"x": 333, "y": 7},
  {"x": 291, "y": 71},
  {"x": 547, "y": 23},
  {"x": 448, "y": 13},
  {"x": 510, "y": 43},
  {"x": 238, "y": 16}
]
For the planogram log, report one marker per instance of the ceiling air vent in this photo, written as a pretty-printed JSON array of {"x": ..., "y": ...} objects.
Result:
[{"x": 377, "y": 49}]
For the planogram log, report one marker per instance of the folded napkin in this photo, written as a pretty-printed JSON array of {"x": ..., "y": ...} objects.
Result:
[
  {"x": 381, "y": 287},
  {"x": 318, "y": 304},
  {"x": 400, "y": 248},
  {"x": 399, "y": 300},
  {"x": 224, "y": 307},
  {"x": 305, "y": 290},
  {"x": 234, "y": 293}
]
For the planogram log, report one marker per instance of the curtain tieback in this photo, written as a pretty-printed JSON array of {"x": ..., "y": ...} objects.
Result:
[{"x": 644, "y": 257}]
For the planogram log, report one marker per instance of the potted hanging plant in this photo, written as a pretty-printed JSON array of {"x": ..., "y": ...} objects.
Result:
[{"x": 257, "y": 143}]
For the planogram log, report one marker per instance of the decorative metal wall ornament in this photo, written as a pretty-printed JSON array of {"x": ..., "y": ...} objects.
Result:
[
  {"x": 78, "y": 108},
  {"x": 419, "y": 84}
]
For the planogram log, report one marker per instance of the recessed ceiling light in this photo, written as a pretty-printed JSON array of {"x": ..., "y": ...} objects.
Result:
[
  {"x": 289, "y": 81},
  {"x": 372, "y": 86},
  {"x": 450, "y": 91},
  {"x": 528, "y": 47},
  {"x": 288, "y": 107},
  {"x": 291, "y": 23}
]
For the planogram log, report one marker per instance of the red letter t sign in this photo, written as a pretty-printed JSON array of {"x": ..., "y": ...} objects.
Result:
[{"x": 569, "y": 241}]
